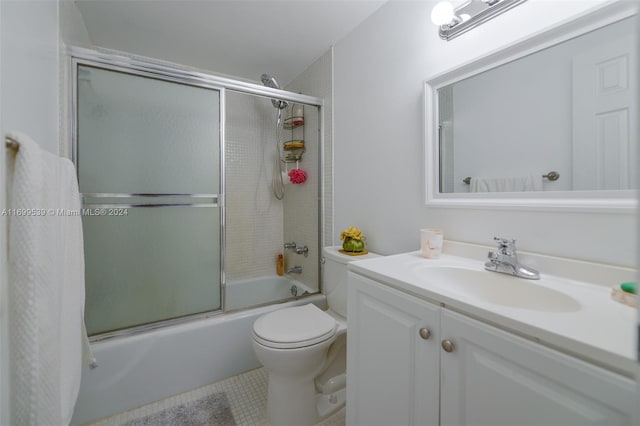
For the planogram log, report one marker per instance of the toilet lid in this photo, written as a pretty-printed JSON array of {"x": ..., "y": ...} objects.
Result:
[{"x": 294, "y": 327}]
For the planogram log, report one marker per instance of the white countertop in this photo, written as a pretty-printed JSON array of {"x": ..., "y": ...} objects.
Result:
[{"x": 597, "y": 329}]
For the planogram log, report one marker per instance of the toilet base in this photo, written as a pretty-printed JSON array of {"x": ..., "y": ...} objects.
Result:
[
  {"x": 328, "y": 405},
  {"x": 298, "y": 403},
  {"x": 291, "y": 402}
]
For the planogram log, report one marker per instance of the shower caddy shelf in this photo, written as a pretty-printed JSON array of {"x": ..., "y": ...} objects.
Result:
[
  {"x": 293, "y": 123},
  {"x": 293, "y": 151}
]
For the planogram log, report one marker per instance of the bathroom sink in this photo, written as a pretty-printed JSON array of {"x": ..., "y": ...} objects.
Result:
[{"x": 499, "y": 289}]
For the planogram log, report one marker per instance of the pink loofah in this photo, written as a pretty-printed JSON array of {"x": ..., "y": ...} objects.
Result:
[{"x": 297, "y": 176}]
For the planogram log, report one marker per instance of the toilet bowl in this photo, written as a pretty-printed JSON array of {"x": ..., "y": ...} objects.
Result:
[{"x": 304, "y": 351}]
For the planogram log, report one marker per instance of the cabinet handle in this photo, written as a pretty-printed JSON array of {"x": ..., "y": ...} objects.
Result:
[
  {"x": 425, "y": 333},
  {"x": 448, "y": 346}
]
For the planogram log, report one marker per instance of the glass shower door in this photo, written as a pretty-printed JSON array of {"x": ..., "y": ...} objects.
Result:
[{"x": 149, "y": 168}]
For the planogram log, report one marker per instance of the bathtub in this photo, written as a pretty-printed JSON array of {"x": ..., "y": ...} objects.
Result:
[
  {"x": 135, "y": 370},
  {"x": 261, "y": 291}
]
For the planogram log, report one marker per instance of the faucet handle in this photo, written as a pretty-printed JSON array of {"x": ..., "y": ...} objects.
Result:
[
  {"x": 506, "y": 245},
  {"x": 302, "y": 250}
]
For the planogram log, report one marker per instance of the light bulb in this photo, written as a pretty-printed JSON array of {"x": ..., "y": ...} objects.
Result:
[{"x": 442, "y": 13}]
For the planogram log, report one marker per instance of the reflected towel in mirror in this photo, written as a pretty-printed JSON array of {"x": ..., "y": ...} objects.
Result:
[{"x": 506, "y": 184}]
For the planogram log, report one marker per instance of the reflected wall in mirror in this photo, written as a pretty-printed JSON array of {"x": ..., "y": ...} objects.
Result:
[
  {"x": 567, "y": 108},
  {"x": 562, "y": 101}
]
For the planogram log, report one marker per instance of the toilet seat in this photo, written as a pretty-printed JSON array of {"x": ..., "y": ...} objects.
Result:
[{"x": 295, "y": 327}]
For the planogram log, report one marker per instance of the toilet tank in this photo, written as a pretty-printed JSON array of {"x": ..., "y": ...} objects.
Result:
[{"x": 335, "y": 277}]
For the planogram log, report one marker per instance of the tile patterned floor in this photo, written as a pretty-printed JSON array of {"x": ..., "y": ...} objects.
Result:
[{"x": 247, "y": 394}]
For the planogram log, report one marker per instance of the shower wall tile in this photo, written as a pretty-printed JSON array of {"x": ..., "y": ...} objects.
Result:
[
  {"x": 258, "y": 224},
  {"x": 301, "y": 209},
  {"x": 254, "y": 219}
]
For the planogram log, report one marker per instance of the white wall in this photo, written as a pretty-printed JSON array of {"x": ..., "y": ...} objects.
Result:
[
  {"x": 73, "y": 31},
  {"x": 379, "y": 72},
  {"x": 29, "y": 103},
  {"x": 30, "y": 70}
]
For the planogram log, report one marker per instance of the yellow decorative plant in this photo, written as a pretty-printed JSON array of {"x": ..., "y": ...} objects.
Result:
[{"x": 353, "y": 239}]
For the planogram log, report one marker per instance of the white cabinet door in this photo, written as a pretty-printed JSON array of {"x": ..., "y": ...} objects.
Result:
[
  {"x": 494, "y": 378},
  {"x": 392, "y": 371}
]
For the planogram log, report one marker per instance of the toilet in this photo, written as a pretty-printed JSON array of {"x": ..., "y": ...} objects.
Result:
[{"x": 304, "y": 351}]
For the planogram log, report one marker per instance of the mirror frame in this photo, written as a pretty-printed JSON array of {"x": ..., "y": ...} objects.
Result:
[{"x": 621, "y": 201}]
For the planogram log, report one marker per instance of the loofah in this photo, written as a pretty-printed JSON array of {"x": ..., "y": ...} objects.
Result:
[{"x": 297, "y": 176}]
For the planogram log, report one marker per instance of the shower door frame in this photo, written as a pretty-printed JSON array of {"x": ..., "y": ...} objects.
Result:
[{"x": 170, "y": 72}]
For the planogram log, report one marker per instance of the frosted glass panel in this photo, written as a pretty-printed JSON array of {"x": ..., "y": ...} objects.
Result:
[
  {"x": 151, "y": 265},
  {"x": 142, "y": 135}
]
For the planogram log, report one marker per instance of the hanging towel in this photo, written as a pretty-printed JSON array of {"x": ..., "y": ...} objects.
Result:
[
  {"x": 506, "y": 184},
  {"x": 47, "y": 338}
]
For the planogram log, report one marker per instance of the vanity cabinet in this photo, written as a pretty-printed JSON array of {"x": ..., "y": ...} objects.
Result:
[
  {"x": 467, "y": 372},
  {"x": 392, "y": 357},
  {"x": 492, "y": 377}
]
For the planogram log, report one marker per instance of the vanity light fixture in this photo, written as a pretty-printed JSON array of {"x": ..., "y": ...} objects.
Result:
[{"x": 455, "y": 21}]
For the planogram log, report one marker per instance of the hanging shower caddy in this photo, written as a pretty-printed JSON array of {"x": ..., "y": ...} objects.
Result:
[{"x": 293, "y": 149}]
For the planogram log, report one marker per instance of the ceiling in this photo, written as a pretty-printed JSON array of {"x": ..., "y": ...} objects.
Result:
[{"x": 240, "y": 38}]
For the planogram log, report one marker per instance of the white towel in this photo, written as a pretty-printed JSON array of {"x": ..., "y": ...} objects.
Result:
[
  {"x": 47, "y": 341},
  {"x": 506, "y": 184}
]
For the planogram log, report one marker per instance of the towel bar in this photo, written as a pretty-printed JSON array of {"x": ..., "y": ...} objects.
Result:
[
  {"x": 552, "y": 176},
  {"x": 11, "y": 143}
]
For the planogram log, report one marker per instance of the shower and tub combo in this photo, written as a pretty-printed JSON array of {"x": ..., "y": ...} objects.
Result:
[{"x": 175, "y": 282}]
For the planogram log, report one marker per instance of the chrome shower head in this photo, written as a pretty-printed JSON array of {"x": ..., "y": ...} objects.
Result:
[{"x": 270, "y": 81}]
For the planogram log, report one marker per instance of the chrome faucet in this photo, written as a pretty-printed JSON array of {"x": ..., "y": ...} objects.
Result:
[
  {"x": 295, "y": 270},
  {"x": 505, "y": 261}
]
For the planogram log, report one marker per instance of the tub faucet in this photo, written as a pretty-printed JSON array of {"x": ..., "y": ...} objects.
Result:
[
  {"x": 505, "y": 261},
  {"x": 295, "y": 270},
  {"x": 292, "y": 245}
]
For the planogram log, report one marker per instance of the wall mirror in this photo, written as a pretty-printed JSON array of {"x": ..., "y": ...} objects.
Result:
[{"x": 549, "y": 122}]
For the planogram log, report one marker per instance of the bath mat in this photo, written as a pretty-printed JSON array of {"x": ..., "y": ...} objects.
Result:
[{"x": 212, "y": 410}]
